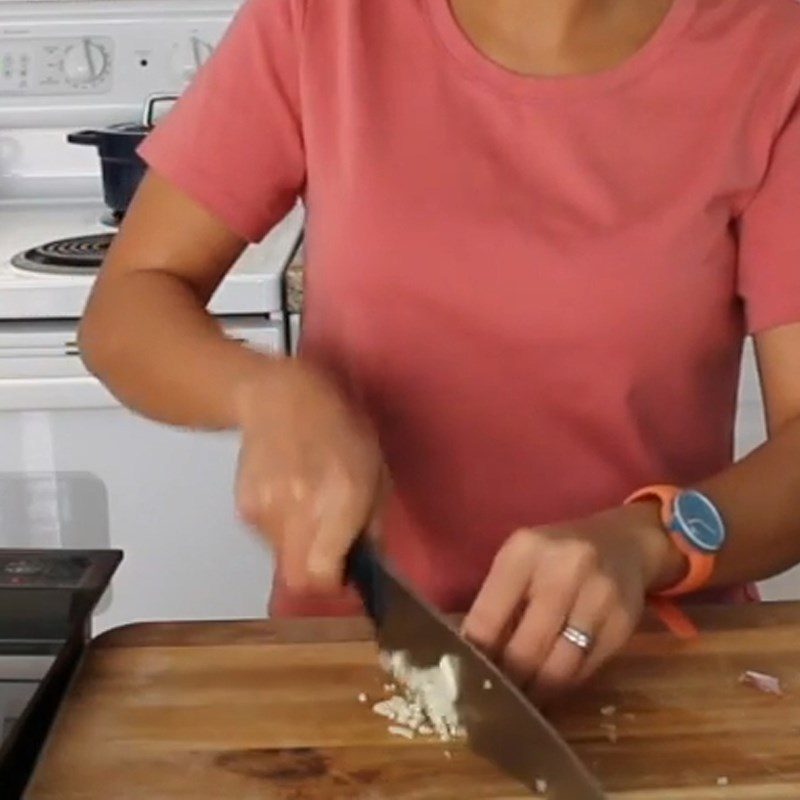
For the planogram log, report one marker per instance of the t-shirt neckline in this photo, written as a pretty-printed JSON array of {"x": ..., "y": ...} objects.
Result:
[{"x": 480, "y": 66}]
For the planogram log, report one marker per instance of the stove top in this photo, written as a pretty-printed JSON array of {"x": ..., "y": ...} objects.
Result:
[
  {"x": 80, "y": 255},
  {"x": 49, "y": 255}
]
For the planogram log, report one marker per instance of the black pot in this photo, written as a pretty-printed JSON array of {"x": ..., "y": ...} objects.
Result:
[{"x": 122, "y": 168}]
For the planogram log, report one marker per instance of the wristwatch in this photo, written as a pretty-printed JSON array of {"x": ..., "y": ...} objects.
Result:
[{"x": 695, "y": 527}]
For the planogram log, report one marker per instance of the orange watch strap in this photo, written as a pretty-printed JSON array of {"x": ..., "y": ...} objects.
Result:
[
  {"x": 673, "y": 617},
  {"x": 701, "y": 565},
  {"x": 700, "y": 568},
  {"x": 659, "y": 491}
]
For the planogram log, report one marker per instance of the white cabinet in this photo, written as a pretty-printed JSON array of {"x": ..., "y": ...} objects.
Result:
[{"x": 77, "y": 470}]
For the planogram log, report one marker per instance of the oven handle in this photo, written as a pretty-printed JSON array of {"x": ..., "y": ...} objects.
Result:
[{"x": 54, "y": 394}]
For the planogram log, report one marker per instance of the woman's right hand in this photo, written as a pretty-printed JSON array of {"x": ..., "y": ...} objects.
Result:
[{"x": 309, "y": 471}]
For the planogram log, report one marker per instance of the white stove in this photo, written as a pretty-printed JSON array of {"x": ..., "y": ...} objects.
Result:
[
  {"x": 78, "y": 470},
  {"x": 66, "y": 65},
  {"x": 254, "y": 286}
]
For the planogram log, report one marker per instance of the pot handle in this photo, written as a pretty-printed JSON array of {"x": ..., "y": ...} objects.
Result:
[
  {"x": 84, "y": 137},
  {"x": 148, "y": 118}
]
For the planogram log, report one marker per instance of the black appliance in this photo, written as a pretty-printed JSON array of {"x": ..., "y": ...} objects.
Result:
[{"x": 46, "y": 603}]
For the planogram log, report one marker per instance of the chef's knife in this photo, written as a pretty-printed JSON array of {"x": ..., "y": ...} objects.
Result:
[{"x": 502, "y": 724}]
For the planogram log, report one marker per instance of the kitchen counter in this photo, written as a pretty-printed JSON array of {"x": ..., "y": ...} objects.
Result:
[
  {"x": 270, "y": 710},
  {"x": 293, "y": 279}
]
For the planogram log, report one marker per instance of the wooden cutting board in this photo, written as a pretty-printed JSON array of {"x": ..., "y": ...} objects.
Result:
[{"x": 271, "y": 711}]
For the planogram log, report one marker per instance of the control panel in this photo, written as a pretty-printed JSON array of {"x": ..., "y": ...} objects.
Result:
[
  {"x": 76, "y": 63},
  {"x": 66, "y": 66},
  {"x": 56, "y": 66}
]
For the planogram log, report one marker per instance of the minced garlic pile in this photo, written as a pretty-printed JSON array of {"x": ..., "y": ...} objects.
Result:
[
  {"x": 425, "y": 702},
  {"x": 426, "y": 698}
]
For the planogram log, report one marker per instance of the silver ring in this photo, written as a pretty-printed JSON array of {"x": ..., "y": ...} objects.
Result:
[{"x": 579, "y": 638}]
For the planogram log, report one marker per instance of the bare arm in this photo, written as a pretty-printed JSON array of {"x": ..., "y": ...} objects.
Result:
[
  {"x": 310, "y": 464},
  {"x": 594, "y": 573},
  {"x": 146, "y": 332},
  {"x": 759, "y": 497}
]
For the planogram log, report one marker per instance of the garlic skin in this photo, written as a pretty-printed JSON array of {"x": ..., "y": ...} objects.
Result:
[{"x": 768, "y": 684}]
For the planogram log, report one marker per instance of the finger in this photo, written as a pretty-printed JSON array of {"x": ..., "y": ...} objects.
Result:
[
  {"x": 617, "y": 630},
  {"x": 247, "y": 502},
  {"x": 563, "y": 668},
  {"x": 294, "y": 543},
  {"x": 341, "y": 512},
  {"x": 286, "y": 523},
  {"x": 592, "y": 605},
  {"x": 382, "y": 494},
  {"x": 503, "y": 593},
  {"x": 541, "y": 623}
]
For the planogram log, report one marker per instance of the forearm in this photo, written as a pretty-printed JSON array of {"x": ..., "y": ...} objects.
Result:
[
  {"x": 147, "y": 336},
  {"x": 759, "y": 499}
]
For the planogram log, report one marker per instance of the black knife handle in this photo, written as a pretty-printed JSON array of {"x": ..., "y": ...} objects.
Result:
[{"x": 363, "y": 570}]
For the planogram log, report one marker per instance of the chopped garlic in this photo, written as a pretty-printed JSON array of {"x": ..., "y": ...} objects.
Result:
[
  {"x": 399, "y": 730},
  {"x": 487, "y": 684},
  {"x": 385, "y": 709},
  {"x": 362, "y": 698},
  {"x": 722, "y": 781},
  {"x": 608, "y": 711},
  {"x": 385, "y": 661},
  {"x": 427, "y": 701},
  {"x": 448, "y": 754},
  {"x": 540, "y": 786},
  {"x": 611, "y": 732},
  {"x": 448, "y": 666}
]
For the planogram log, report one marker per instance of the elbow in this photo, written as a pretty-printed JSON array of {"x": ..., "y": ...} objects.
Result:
[{"x": 100, "y": 343}]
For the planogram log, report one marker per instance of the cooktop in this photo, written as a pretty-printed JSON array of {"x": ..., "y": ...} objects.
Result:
[{"x": 78, "y": 255}]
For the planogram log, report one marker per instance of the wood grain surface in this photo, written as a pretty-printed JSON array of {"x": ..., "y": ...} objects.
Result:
[{"x": 269, "y": 710}]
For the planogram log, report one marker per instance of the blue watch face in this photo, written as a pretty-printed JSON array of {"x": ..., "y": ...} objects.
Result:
[{"x": 697, "y": 518}]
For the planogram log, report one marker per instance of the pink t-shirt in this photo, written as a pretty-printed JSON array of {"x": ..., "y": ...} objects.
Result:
[{"x": 538, "y": 286}]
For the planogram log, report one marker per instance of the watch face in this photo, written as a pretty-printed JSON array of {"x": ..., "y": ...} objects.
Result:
[{"x": 698, "y": 520}]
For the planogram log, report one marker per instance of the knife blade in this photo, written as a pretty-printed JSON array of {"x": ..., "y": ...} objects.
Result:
[{"x": 502, "y": 724}]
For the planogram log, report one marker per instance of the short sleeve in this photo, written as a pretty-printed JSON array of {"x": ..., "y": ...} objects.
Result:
[
  {"x": 769, "y": 237},
  {"x": 233, "y": 142}
]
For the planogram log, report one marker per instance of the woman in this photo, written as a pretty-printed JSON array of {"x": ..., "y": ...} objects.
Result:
[{"x": 537, "y": 236}]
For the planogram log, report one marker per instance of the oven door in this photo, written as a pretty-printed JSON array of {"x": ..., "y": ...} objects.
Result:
[{"x": 77, "y": 470}]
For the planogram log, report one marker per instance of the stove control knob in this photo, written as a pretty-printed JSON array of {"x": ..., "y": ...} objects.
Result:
[
  {"x": 187, "y": 58},
  {"x": 86, "y": 63}
]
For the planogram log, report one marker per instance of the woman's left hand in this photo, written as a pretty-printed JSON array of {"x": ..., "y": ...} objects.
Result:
[{"x": 591, "y": 575}]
